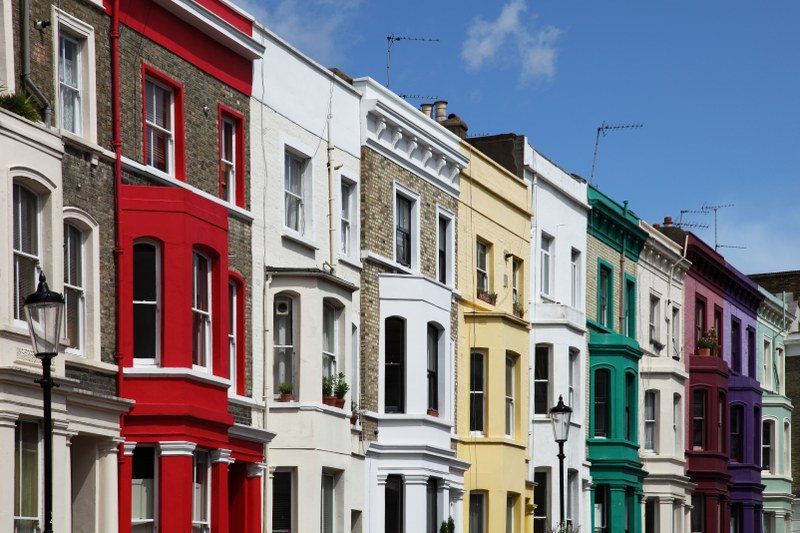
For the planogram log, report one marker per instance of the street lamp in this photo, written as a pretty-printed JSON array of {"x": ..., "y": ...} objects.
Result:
[
  {"x": 44, "y": 310},
  {"x": 560, "y": 416}
]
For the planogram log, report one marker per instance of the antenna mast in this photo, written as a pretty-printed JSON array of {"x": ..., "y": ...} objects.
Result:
[
  {"x": 705, "y": 209},
  {"x": 603, "y": 128},
  {"x": 392, "y": 38}
]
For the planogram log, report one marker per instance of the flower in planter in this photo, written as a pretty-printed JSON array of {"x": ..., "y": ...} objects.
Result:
[
  {"x": 709, "y": 341},
  {"x": 519, "y": 310},
  {"x": 327, "y": 385},
  {"x": 341, "y": 387}
]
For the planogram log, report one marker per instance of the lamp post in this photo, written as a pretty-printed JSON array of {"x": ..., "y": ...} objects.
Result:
[
  {"x": 560, "y": 416},
  {"x": 44, "y": 310}
]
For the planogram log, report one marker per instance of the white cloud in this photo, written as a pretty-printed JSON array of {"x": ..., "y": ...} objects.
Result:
[
  {"x": 510, "y": 38},
  {"x": 316, "y": 27}
]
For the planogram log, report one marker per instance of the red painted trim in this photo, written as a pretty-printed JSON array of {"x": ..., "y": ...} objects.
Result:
[
  {"x": 240, "y": 331},
  {"x": 224, "y": 111},
  {"x": 229, "y": 15},
  {"x": 179, "y": 120},
  {"x": 187, "y": 42}
]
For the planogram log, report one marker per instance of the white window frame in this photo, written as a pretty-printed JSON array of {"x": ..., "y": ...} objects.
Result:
[
  {"x": 573, "y": 394},
  {"x": 546, "y": 261},
  {"x": 355, "y": 354},
  {"x": 481, "y": 393},
  {"x": 787, "y": 448},
  {"x": 780, "y": 371},
  {"x": 233, "y": 334},
  {"x": 292, "y": 498},
  {"x": 89, "y": 229},
  {"x": 546, "y": 381},
  {"x": 575, "y": 278},
  {"x": 75, "y": 90},
  {"x": 293, "y": 321},
  {"x": 79, "y": 290},
  {"x": 651, "y": 423},
  {"x": 572, "y": 497},
  {"x": 414, "y": 199},
  {"x": 675, "y": 332},
  {"x": 170, "y": 170},
  {"x": 347, "y": 189},
  {"x": 39, "y": 475},
  {"x": 37, "y": 257},
  {"x": 677, "y": 444},
  {"x": 154, "y": 520},
  {"x": 516, "y": 276},
  {"x": 444, "y": 214},
  {"x": 229, "y": 166},
  {"x": 207, "y": 314},
  {"x": 155, "y": 360},
  {"x": 767, "y": 362},
  {"x": 483, "y": 281},
  {"x": 330, "y": 359},
  {"x": 199, "y": 524},
  {"x": 478, "y": 495},
  {"x": 84, "y": 33},
  {"x": 771, "y": 447},
  {"x": 302, "y": 199},
  {"x": 510, "y": 374},
  {"x": 654, "y": 321}
]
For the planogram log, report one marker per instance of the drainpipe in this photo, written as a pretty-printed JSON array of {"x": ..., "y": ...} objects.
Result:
[
  {"x": 331, "y": 229},
  {"x": 671, "y": 276},
  {"x": 27, "y": 82},
  {"x": 623, "y": 316},
  {"x": 265, "y": 516}
]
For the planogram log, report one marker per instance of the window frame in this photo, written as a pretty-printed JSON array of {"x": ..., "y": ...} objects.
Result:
[
  {"x": 236, "y": 370},
  {"x": 401, "y": 365},
  {"x": 39, "y": 472},
  {"x": 510, "y": 406},
  {"x": 84, "y": 34},
  {"x": 573, "y": 391},
  {"x": 575, "y": 278},
  {"x": 546, "y": 255},
  {"x": 631, "y": 303},
  {"x": 19, "y": 299},
  {"x": 675, "y": 332},
  {"x": 332, "y": 477},
  {"x": 443, "y": 215},
  {"x": 201, "y": 522},
  {"x": 293, "y": 315},
  {"x": 700, "y": 320},
  {"x": 433, "y": 374},
  {"x": 542, "y": 381},
  {"x": 206, "y": 364},
  {"x": 79, "y": 290},
  {"x": 237, "y": 120},
  {"x": 291, "y": 497},
  {"x": 478, "y": 496},
  {"x": 64, "y": 86},
  {"x": 654, "y": 321},
  {"x": 769, "y": 428},
  {"x": 766, "y": 362},
  {"x": 395, "y": 479},
  {"x": 475, "y": 393},
  {"x": 350, "y": 223},
  {"x": 517, "y": 281},
  {"x": 292, "y": 158},
  {"x": 605, "y": 298},
  {"x": 737, "y": 433},
  {"x": 158, "y": 303},
  {"x": 177, "y": 164},
  {"x": 651, "y": 422},
  {"x": 541, "y": 519},
  {"x": 483, "y": 279},
  {"x": 413, "y": 226},
  {"x": 736, "y": 345},
  {"x": 143, "y": 521},
  {"x": 606, "y": 405},
  {"x": 699, "y": 419},
  {"x": 330, "y": 360}
]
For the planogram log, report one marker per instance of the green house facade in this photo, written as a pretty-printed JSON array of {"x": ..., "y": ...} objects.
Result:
[
  {"x": 773, "y": 321},
  {"x": 614, "y": 243}
]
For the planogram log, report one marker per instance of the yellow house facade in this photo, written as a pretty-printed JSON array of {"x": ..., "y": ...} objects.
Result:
[{"x": 493, "y": 347}]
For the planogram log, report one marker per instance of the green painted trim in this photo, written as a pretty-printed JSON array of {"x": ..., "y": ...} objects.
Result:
[
  {"x": 631, "y": 318},
  {"x": 601, "y": 264},
  {"x": 615, "y": 224}
]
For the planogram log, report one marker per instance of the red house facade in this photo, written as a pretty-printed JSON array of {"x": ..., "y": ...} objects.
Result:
[{"x": 193, "y": 455}]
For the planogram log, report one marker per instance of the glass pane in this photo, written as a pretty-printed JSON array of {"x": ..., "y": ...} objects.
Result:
[
  {"x": 476, "y": 372},
  {"x": 282, "y": 335},
  {"x": 201, "y": 271},
  {"x": 25, "y": 274},
  {"x": 69, "y": 108},
  {"x": 199, "y": 330},
  {"x": 143, "y": 484},
  {"x": 200, "y": 513},
  {"x": 73, "y": 266},
  {"x": 73, "y": 317},
  {"x": 227, "y": 140},
  {"x": 144, "y": 272},
  {"x": 328, "y": 326},
  {"x": 292, "y": 212},
  {"x": 26, "y": 474},
  {"x": 158, "y": 149},
  {"x": 282, "y": 498},
  {"x": 26, "y": 218},
  {"x": 144, "y": 331},
  {"x": 327, "y": 504},
  {"x": 283, "y": 366}
]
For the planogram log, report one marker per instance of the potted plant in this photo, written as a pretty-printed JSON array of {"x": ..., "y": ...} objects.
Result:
[
  {"x": 448, "y": 526},
  {"x": 433, "y": 412},
  {"x": 327, "y": 391},
  {"x": 487, "y": 296},
  {"x": 19, "y": 103},
  {"x": 285, "y": 389},
  {"x": 707, "y": 343},
  {"x": 355, "y": 412},
  {"x": 340, "y": 389},
  {"x": 519, "y": 311}
]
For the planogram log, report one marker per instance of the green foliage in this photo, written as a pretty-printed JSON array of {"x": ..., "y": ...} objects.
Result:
[
  {"x": 19, "y": 103},
  {"x": 341, "y": 387},
  {"x": 327, "y": 385},
  {"x": 285, "y": 388},
  {"x": 709, "y": 340},
  {"x": 448, "y": 526}
]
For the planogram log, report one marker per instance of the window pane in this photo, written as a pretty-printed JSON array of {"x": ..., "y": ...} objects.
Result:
[
  {"x": 394, "y": 505},
  {"x": 394, "y": 371},
  {"x": 201, "y": 272},
  {"x": 144, "y": 272},
  {"x": 144, "y": 331},
  {"x": 327, "y": 504},
  {"x": 143, "y": 484},
  {"x": 72, "y": 324},
  {"x": 26, "y": 470},
  {"x": 282, "y": 502},
  {"x": 26, "y": 221},
  {"x": 328, "y": 325}
]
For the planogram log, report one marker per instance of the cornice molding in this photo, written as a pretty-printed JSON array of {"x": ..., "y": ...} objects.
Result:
[
  {"x": 616, "y": 226},
  {"x": 176, "y": 448}
]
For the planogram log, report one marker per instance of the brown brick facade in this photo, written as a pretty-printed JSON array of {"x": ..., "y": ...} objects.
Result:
[{"x": 378, "y": 176}]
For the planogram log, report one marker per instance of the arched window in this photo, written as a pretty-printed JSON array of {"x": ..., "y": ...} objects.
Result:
[
  {"x": 434, "y": 336},
  {"x": 283, "y": 341},
  {"x": 201, "y": 311},
  {"x": 74, "y": 289},
  {"x": 146, "y": 301},
  {"x": 27, "y": 248},
  {"x": 767, "y": 444},
  {"x": 602, "y": 403},
  {"x": 394, "y": 368}
]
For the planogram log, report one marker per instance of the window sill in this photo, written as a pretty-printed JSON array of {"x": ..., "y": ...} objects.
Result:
[
  {"x": 245, "y": 401},
  {"x": 296, "y": 238},
  {"x": 347, "y": 260},
  {"x": 391, "y": 263},
  {"x": 81, "y": 361},
  {"x": 152, "y": 371}
]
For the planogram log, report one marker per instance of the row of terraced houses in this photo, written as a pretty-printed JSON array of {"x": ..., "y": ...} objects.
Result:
[{"x": 297, "y": 303}]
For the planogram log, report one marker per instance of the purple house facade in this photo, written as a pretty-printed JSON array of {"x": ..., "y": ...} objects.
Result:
[{"x": 738, "y": 338}]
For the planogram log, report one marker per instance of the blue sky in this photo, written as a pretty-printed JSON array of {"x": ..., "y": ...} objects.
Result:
[{"x": 715, "y": 84}]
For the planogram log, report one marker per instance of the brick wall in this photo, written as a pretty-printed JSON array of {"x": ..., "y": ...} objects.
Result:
[
  {"x": 378, "y": 175},
  {"x": 97, "y": 382},
  {"x": 597, "y": 249},
  {"x": 793, "y": 392}
]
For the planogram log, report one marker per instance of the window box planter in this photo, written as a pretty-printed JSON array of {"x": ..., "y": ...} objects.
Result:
[
  {"x": 519, "y": 311},
  {"x": 704, "y": 351},
  {"x": 329, "y": 400},
  {"x": 338, "y": 402},
  {"x": 488, "y": 297},
  {"x": 285, "y": 397}
]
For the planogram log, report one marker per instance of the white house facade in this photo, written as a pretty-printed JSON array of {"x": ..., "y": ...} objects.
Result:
[
  {"x": 558, "y": 336},
  {"x": 410, "y": 168},
  {"x": 305, "y": 193},
  {"x": 662, "y": 393}
]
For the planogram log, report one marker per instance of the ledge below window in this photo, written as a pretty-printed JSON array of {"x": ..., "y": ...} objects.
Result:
[
  {"x": 298, "y": 239},
  {"x": 174, "y": 372}
]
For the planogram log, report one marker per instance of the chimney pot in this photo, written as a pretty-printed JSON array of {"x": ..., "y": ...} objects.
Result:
[
  {"x": 427, "y": 109},
  {"x": 667, "y": 221},
  {"x": 440, "y": 107}
]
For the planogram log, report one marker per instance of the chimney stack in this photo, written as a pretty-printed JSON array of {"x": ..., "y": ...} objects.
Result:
[
  {"x": 440, "y": 107},
  {"x": 667, "y": 221},
  {"x": 426, "y": 109},
  {"x": 455, "y": 124}
]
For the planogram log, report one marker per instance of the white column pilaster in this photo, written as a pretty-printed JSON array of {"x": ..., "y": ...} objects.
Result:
[
  {"x": 379, "y": 508},
  {"x": 416, "y": 505},
  {"x": 8, "y": 422},
  {"x": 62, "y": 474},
  {"x": 107, "y": 487}
]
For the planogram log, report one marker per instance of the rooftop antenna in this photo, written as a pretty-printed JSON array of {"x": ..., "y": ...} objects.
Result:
[
  {"x": 407, "y": 96},
  {"x": 603, "y": 128},
  {"x": 715, "y": 208},
  {"x": 392, "y": 38},
  {"x": 681, "y": 224}
]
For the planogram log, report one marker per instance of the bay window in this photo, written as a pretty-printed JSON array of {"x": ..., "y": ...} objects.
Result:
[
  {"x": 630, "y": 407},
  {"x": 394, "y": 367},
  {"x": 432, "y": 505},
  {"x": 27, "y": 253},
  {"x": 602, "y": 403},
  {"x": 737, "y": 433},
  {"x": 698, "y": 513},
  {"x": 394, "y": 505},
  {"x": 650, "y": 422},
  {"x": 477, "y": 512},
  {"x": 477, "y": 389},
  {"x": 433, "y": 369},
  {"x": 767, "y": 439},
  {"x": 698, "y": 419},
  {"x": 143, "y": 490},
  {"x": 330, "y": 340},
  {"x": 201, "y": 311},
  {"x": 602, "y": 503},
  {"x": 327, "y": 504},
  {"x": 146, "y": 301},
  {"x": 283, "y": 340},
  {"x": 511, "y": 371},
  {"x": 26, "y": 477},
  {"x": 74, "y": 288},
  {"x": 282, "y": 502},
  {"x": 201, "y": 492}
]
